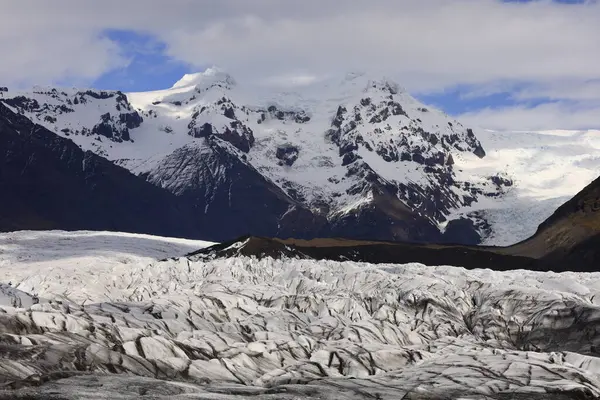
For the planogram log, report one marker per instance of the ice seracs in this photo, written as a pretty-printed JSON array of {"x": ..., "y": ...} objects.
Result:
[{"x": 116, "y": 323}]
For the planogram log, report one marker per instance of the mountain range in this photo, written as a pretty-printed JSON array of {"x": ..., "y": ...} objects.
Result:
[{"x": 354, "y": 157}]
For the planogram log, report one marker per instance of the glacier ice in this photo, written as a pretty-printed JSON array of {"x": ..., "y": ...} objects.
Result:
[{"x": 118, "y": 324}]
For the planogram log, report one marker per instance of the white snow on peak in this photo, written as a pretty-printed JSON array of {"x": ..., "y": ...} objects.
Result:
[
  {"x": 366, "y": 79},
  {"x": 529, "y": 159},
  {"x": 209, "y": 77}
]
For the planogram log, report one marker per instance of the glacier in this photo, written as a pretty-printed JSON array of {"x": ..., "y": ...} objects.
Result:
[{"x": 110, "y": 315}]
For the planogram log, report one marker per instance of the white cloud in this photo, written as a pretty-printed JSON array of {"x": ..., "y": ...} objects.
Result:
[
  {"x": 56, "y": 56},
  {"x": 555, "y": 115},
  {"x": 427, "y": 45},
  {"x": 569, "y": 90},
  {"x": 290, "y": 80}
]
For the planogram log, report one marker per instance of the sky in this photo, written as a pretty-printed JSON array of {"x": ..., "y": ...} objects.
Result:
[{"x": 505, "y": 65}]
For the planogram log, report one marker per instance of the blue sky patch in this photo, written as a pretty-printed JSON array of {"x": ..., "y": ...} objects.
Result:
[{"x": 148, "y": 69}]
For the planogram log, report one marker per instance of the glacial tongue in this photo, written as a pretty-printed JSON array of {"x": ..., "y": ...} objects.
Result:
[{"x": 296, "y": 328}]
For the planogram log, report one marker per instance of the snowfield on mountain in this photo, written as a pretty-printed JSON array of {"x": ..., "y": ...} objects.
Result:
[
  {"x": 106, "y": 315},
  {"x": 352, "y": 155},
  {"x": 548, "y": 168}
]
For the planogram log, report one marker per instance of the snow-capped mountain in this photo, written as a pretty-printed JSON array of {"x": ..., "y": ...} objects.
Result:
[
  {"x": 97, "y": 315},
  {"x": 355, "y": 156}
]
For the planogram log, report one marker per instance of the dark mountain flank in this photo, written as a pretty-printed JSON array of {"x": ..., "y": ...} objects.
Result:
[
  {"x": 567, "y": 241},
  {"x": 571, "y": 236},
  {"x": 48, "y": 182}
]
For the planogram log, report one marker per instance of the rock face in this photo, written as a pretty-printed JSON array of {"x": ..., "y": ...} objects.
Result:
[
  {"x": 287, "y": 154},
  {"x": 224, "y": 124},
  {"x": 117, "y": 128},
  {"x": 375, "y": 252},
  {"x": 356, "y": 157},
  {"x": 47, "y": 182},
  {"x": 214, "y": 179},
  {"x": 377, "y": 126}
]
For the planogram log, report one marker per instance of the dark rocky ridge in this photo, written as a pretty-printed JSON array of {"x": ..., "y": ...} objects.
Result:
[
  {"x": 48, "y": 182},
  {"x": 376, "y": 252},
  {"x": 230, "y": 197}
]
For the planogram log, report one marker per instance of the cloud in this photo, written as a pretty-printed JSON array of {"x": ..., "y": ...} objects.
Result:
[
  {"x": 568, "y": 89},
  {"x": 428, "y": 46},
  {"x": 545, "y": 116},
  {"x": 56, "y": 56}
]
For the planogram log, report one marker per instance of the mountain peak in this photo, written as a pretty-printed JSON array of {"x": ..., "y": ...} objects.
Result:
[
  {"x": 209, "y": 77},
  {"x": 367, "y": 82}
]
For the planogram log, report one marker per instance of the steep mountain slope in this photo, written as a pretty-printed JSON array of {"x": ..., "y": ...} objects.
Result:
[
  {"x": 48, "y": 182},
  {"x": 38, "y": 197},
  {"x": 229, "y": 195},
  {"x": 355, "y": 157},
  {"x": 572, "y": 234}
]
